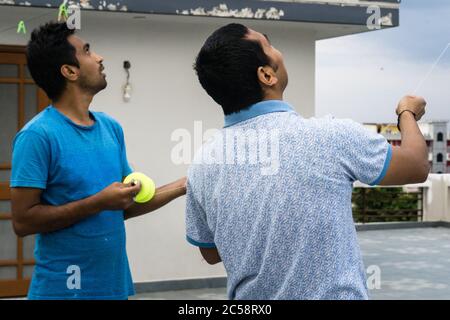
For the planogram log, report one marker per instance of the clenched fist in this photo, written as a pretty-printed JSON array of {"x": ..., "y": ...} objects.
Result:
[
  {"x": 118, "y": 196},
  {"x": 414, "y": 104}
]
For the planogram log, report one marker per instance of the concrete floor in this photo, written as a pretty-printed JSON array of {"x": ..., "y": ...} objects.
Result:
[{"x": 414, "y": 264}]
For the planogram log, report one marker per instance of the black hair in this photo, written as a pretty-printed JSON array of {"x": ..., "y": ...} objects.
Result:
[
  {"x": 227, "y": 66},
  {"x": 48, "y": 50}
]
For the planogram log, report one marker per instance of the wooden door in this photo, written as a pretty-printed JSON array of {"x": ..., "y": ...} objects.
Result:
[{"x": 20, "y": 101}]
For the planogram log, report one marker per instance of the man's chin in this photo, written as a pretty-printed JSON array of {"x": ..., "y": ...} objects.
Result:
[{"x": 103, "y": 86}]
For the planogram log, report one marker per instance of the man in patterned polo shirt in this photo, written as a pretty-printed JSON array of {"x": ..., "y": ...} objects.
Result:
[{"x": 286, "y": 232}]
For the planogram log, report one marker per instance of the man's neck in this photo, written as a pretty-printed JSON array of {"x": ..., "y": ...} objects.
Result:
[
  {"x": 273, "y": 96},
  {"x": 75, "y": 106}
]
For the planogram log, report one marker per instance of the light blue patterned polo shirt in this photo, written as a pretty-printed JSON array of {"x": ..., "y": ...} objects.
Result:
[{"x": 272, "y": 191}]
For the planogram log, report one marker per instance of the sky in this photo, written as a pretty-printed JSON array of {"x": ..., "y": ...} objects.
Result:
[{"x": 364, "y": 76}]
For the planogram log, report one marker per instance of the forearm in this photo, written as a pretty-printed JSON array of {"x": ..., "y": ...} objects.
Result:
[
  {"x": 412, "y": 138},
  {"x": 45, "y": 218},
  {"x": 163, "y": 196}
]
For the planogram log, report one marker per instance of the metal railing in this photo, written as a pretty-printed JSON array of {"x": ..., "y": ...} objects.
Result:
[{"x": 387, "y": 205}]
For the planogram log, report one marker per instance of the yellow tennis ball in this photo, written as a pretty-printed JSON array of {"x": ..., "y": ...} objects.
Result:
[{"x": 148, "y": 187}]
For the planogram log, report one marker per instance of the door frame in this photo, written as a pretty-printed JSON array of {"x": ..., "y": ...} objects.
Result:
[{"x": 19, "y": 286}]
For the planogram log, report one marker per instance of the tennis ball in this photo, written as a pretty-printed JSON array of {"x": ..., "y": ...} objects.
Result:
[{"x": 148, "y": 187}]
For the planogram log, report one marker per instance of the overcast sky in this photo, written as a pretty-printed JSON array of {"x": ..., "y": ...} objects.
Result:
[{"x": 363, "y": 76}]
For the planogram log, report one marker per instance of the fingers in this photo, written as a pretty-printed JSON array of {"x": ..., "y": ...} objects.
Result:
[
  {"x": 413, "y": 103},
  {"x": 129, "y": 204},
  {"x": 420, "y": 100},
  {"x": 129, "y": 191},
  {"x": 133, "y": 187},
  {"x": 419, "y": 116},
  {"x": 410, "y": 96}
]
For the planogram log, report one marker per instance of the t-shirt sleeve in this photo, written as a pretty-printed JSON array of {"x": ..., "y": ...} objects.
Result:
[
  {"x": 364, "y": 155},
  {"x": 30, "y": 161},
  {"x": 198, "y": 232},
  {"x": 126, "y": 169}
]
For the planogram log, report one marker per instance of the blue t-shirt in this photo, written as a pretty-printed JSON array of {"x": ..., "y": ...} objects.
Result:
[
  {"x": 272, "y": 192},
  {"x": 69, "y": 162}
]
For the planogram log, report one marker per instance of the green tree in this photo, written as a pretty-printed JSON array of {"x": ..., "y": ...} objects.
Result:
[{"x": 385, "y": 205}]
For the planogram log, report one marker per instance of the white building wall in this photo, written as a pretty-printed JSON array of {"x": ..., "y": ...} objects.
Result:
[
  {"x": 166, "y": 96},
  {"x": 437, "y": 198}
]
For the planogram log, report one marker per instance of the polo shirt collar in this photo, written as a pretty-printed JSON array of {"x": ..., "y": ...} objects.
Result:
[{"x": 258, "y": 109}]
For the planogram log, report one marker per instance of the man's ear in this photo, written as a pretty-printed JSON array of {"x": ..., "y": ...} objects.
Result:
[
  {"x": 267, "y": 76},
  {"x": 71, "y": 73}
]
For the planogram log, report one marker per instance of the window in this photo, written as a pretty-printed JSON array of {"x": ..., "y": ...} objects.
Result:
[
  {"x": 440, "y": 137},
  {"x": 440, "y": 157}
]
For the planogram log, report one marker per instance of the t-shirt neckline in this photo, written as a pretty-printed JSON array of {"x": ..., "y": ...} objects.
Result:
[{"x": 63, "y": 116}]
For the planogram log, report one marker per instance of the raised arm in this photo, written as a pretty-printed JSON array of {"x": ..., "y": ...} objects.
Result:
[{"x": 409, "y": 162}]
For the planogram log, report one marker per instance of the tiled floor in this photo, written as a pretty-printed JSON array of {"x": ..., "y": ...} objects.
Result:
[
  {"x": 414, "y": 264},
  {"x": 198, "y": 294}
]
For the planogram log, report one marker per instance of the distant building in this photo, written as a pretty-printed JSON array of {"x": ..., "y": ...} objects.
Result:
[{"x": 436, "y": 135}]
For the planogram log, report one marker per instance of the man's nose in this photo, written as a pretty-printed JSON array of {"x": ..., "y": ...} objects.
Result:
[{"x": 99, "y": 58}]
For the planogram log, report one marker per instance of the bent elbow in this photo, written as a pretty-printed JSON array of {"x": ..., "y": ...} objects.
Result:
[
  {"x": 422, "y": 172},
  {"x": 426, "y": 170},
  {"x": 424, "y": 178},
  {"x": 213, "y": 261},
  {"x": 21, "y": 230},
  {"x": 211, "y": 256}
]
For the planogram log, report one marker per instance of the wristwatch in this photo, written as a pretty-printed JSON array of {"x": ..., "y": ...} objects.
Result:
[{"x": 400, "y": 114}]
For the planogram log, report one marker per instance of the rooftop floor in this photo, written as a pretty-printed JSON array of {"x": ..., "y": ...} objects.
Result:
[{"x": 414, "y": 263}]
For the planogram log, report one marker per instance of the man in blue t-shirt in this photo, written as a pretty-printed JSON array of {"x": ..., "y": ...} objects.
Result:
[
  {"x": 67, "y": 168},
  {"x": 270, "y": 194}
]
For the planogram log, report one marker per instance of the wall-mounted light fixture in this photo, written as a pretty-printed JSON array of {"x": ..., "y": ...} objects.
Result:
[{"x": 127, "y": 87}]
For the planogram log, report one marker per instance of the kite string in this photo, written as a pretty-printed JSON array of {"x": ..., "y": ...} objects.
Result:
[{"x": 432, "y": 68}]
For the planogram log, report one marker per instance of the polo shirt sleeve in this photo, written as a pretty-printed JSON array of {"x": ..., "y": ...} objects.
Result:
[
  {"x": 30, "y": 161},
  {"x": 198, "y": 232},
  {"x": 364, "y": 155}
]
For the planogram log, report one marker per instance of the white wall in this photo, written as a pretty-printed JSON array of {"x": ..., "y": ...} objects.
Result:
[
  {"x": 437, "y": 198},
  {"x": 167, "y": 96}
]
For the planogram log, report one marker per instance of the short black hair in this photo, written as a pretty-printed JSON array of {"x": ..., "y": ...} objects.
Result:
[
  {"x": 227, "y": 66},
  {"x": 47, "y": 50}
]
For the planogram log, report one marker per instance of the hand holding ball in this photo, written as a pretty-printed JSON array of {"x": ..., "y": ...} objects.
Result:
[{"x": 148, "y": 187}]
